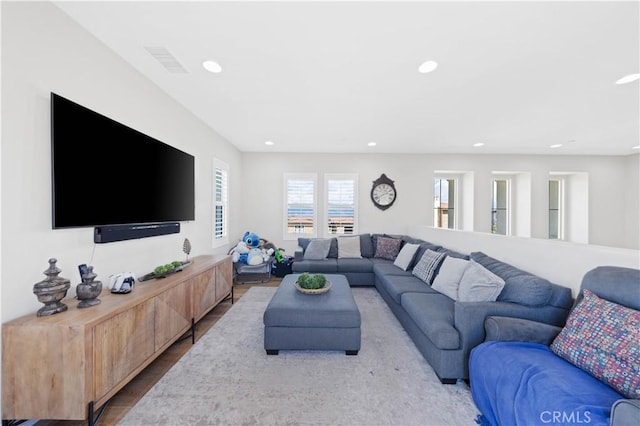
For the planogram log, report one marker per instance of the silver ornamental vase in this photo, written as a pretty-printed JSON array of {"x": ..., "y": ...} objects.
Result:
[
  {"x": 88, "y": 290},
  {"x": 51, "y": 291}
]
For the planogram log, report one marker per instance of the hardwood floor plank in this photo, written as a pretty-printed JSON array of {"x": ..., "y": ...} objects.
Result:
[{"x": 129, "y": 395}]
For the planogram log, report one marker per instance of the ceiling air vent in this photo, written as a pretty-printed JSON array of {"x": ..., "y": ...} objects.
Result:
[{"x": 166, "y": 59}]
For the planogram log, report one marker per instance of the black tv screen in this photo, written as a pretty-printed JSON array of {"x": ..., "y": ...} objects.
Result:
[{"x": 105, "y": 173}]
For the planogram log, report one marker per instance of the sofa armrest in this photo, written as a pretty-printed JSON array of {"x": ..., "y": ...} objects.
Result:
[
  {"x": 508, "y": 329},
  {"x": 625, "y": 412},
  {"x": 469, "y": 317},
  {"x": 298, "y": 256}
]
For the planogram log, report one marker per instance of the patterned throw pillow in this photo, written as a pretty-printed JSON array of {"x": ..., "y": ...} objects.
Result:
[
  {"x": 427, "y": 268},
  {"x": 387, "y": 248},
  {"x": 603, "y": 339}
]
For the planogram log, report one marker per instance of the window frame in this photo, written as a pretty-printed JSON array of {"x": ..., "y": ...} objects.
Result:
[
  {"x": 287, "y": 177},
  {"x": 508, "y": 207},
  {"x": 561, "y": 217},
  {"x": 353, "y": 177},
  {"x": 222, "y": 204},
  {"x": 455, "y": 215}
]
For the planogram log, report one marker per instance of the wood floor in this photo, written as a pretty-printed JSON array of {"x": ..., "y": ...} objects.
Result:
[{"x": 124, "y": 400}]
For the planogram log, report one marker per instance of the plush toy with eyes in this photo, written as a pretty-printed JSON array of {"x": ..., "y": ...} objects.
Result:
[
  {"x": 247, "y": 251},
  {"x": 251, "y": 240}
]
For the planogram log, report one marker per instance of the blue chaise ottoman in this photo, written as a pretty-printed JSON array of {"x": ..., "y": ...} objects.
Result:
[{"x": 296, "y": 321}]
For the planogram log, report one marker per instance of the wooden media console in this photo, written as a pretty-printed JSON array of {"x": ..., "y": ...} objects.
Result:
[{"x": 68, "y": 365}]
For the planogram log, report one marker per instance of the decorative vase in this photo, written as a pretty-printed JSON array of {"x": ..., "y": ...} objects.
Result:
[
  {"x": 88, "y": 290},
  {"x": 51, "y": 291}
]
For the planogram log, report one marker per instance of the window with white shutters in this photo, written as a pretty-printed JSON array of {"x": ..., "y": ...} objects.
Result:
[
  {"x": 341, "y": 203},
  {"x": 300, "y": 205},
  {"x": 220, "y": 203}
]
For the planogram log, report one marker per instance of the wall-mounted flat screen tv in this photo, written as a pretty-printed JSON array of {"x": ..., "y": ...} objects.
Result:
[{"x": 106, "y": 173}]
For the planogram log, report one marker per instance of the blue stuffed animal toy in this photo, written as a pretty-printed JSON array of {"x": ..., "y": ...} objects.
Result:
[
  {"x": 251, "y": 240},
  {"x": 247, "y": 251}
]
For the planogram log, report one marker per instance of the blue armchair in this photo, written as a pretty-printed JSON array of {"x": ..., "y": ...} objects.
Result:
[{"x": 517, "y": 379}]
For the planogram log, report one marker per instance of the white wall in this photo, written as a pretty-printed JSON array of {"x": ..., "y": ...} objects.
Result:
[
  {"x": 631, "y": 205},
  {"x": 560, "y": 262},
  {"x": 44, "y": 51},
  {"x": 413, "y": 175}
]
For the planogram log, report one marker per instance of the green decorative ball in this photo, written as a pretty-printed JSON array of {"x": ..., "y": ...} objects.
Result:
[{"x": 311, "y": 282}]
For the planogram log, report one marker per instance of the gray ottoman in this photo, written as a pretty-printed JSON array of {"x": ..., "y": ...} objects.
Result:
[{"x": 298, "y": 321}]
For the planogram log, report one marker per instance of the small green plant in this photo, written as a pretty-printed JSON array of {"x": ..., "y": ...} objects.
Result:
[
  {"x": 165, "y": 269},
  {"x": 311, "y": 282}
]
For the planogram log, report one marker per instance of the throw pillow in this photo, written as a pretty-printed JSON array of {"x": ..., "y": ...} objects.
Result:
[
  {"x": 406, "y": 256},
  {"x": 366, "y": 246},
  {"x": 478, "y": 284},
  {"x": 387, "y": 248},
  {"x": 529, "y": 290},
  {"x": 427, "y": 268},
  {"x": 520, "y": 286},
  {"x": 448, "y": 279},
  {"x": 317, "y": 249},
  {"x": 349, "y": 247},
  {"x": 333, "y": 248},
  {"x": 601, "y": 338}
]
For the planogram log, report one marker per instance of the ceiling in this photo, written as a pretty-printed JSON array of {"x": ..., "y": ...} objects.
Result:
[{"x": 320, "y": 76}]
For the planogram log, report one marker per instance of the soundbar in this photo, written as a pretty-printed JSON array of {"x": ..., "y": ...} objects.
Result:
[{"x": 111, "y": 233}]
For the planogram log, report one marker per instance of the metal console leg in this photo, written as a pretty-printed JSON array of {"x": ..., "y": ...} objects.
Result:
[{"x": 92, "y": 419}]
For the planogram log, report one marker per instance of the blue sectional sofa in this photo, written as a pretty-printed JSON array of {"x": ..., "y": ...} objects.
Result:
[
  {"x": 585, "y": 373},
  {"x": 443, "y": 329}
]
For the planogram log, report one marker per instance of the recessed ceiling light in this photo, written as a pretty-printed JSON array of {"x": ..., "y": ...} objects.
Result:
[
  {"x": 427, "y": 66},
  {"x": 478, "y": 144},
  {"x": 555, "y": 145},
  {"x": 212, "y": 66},
  {"x": 269, "y": 143},
  {"x": 371, "y": 144},
  {"x": 628, "y": 78}
]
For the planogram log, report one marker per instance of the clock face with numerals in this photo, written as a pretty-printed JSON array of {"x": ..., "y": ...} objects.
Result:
[{"x": 383, "y": 192}]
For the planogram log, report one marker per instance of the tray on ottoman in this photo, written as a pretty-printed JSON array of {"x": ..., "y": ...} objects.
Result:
[{"x": 297, "y": 321}]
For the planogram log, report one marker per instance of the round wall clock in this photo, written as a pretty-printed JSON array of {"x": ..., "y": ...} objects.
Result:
[{"x": 383, "y": 192}]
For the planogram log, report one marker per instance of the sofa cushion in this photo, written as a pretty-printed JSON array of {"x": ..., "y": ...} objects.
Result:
[
  {"x": 366, "y": 245},
  {"x": 614, "y": 283},
  {"x": 423, "y": 247},
  {"x": 326, "y": 265},
  {"x": 349, "y": 247},
  {"x": 411, "y": 240},
  {"x": 317, "y": 249},
  {"x": 520, "y": 286},
  {"x": 478, "y": 284},
  {"x": 522, "y": 383},
  {"x": 355, "y": 265},
  {"x": 448, "y": 279},
  {"x": 452, "y": 253},
  {"x": 405, "y": 257},
  {"x": 333, "y": 248},
  {"x": 427, "y": 267},
  {"x": 601, "y": 337},
  {"x": 528, "y": 290},
  {"x": 433, "y": 314},
  {"x": 386, "y": 267},
  {"x": 387, "y": 248},
  {"x": 396, "y": 285}
]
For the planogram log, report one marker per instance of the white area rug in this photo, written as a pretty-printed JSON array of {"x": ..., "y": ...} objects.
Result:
[{"x": 226, "y": 378}]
